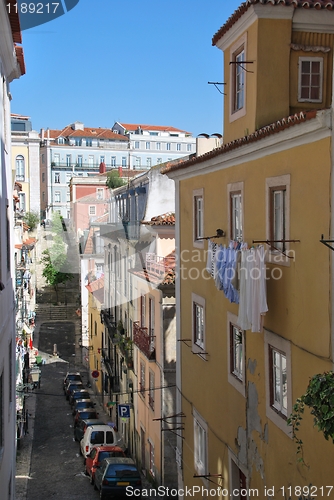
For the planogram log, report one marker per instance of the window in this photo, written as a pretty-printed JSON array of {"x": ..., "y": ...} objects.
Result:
[
  {"x": 20, "y": 168},
  {"x": 138, "y": 162},
  {"x": 278, "y": 379},
  {"x": 198, "y": 217},
  {"x": 57, "y": 197},
  {"x": 238, "y": 78},
  {"x": 125, "y": 276},
  {"x": 68, "y": 178},
  {"x": 236, "y": 215},
  {"x": 238, "y": 479},
  {"x": 57, "y": 177},
  {"x": 80, "y": 160},
  {"x": 136, "y": 144},
  {"x": 236, "y": 352},
  {"x": 159, "y": 160},
  {"x": 91, "y": 161},
  {"x": 43, "y": 176},
  {"x": 178, "y": 147},
  {"x": 148, "y": 145},
  {"x": 310, "y": 75},
  {"x": 89, "y": 142},
  {"x": 142, "y": 310},
  {"x": 99, "y": 193},
  {"x": 158, "y": 145},
  {"x": 68, "y": 160},
  {"x": 151, "y": 390},
  {"x": 200, "y": 444},
  {"x": 198, "y": 324},
  {"x": 142, "y": 379},
  {"x": 168, "y": 146},
  {"x": 123, "y": 161},
  {"x": 56, "y": 159},
  {"x": 235, "y": 210},
  {"x": 113, "y": 161},
  {"x": 92, "y": 210},
  {"x": 278, "y": 217},
  {"x": 189, "y": 147},
  {"x": 68, "y": 196},
  {"x": 148, "y": 162},
  {"x": 78, "y": 142},
  {"x": 61, "y": 140},
  {"x": 151, "y": 449},
  {"x": 43, "y": 158},
  {"x": 22, "y": 202},
  {"x": 102, "y": 158}
]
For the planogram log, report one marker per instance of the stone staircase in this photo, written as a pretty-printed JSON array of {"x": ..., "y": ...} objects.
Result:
[{"x": 47, "y": 312}]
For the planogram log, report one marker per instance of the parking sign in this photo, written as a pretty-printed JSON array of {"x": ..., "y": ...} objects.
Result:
[{"x": 124, "y": 411}]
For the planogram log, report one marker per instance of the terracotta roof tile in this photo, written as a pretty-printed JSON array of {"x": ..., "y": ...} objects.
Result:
[
  {"x": 90, "y": 132},
  {"x": 95, "y": 285},
  {"x": 306, "y": 4},
  {"x": 167, "y": 219},
  {"x": 259, "y": 134},
  {"x": 158, "y": 128}
]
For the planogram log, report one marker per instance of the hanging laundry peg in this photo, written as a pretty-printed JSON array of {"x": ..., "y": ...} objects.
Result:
[
  {"x": 219, "y": 234},
  {"x": 325, "y": 242}
]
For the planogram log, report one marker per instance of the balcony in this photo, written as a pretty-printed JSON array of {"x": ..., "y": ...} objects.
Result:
[
  {"x": 144, "y": 341},
  {"x": 159, "y": 266}
]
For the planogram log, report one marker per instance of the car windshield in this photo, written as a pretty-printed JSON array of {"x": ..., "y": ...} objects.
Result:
[
  {"x": 84, "y": 404},
  {"x": 87, "y": 414},
  {"x": 106, "y": 454},
  {"x": 79, "y": 395},
  {"x": 121, "y": 470}
]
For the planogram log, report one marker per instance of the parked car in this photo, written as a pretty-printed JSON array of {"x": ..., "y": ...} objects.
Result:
[
  {"x": 85, "y": 413},
  {"x": 82, "y": 403},
  {"x": 78, "y": 394},
  {"x": 71, "y": 377},
  {"x": 72, "y": 386},
  {"x": 80, "y": 429},
  {"x": 114, "y": 475},
  {"x": 100, "y": 435},
  {"x": 95, "y": 457}
]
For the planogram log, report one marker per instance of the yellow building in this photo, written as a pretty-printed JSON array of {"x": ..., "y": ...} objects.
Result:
[
  {"x": 93, "y": 352},
  {"x": 245, "y": 355}
]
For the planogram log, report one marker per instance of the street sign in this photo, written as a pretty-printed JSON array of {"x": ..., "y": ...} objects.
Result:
[
  {"x": 124, "y": 411},
  {"x": 95, "y": 374}
]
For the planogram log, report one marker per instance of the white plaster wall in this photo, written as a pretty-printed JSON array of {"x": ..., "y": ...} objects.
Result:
[{"x": 161, "y": 196}]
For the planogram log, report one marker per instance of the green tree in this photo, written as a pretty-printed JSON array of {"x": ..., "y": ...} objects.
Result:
[
  {"x": 31, "y": 219},
  {"x": 57, "y": 225},
  {"x": 114, "y": 180},
  {"x": 55, "y": 262}
]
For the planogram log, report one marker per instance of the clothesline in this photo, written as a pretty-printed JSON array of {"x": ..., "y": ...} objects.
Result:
[{"x": 240, "y": 272}]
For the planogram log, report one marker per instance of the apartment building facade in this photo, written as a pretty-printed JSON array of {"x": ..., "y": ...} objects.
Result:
[
  {"x": 11, "y": 67},
  {"x": 268, "y": 191}
]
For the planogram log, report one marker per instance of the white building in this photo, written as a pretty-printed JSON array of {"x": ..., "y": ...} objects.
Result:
[{"x": 11, "y": 67}]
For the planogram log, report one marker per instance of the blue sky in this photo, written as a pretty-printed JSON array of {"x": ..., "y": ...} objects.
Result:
[{"x": 145, "y": 62}]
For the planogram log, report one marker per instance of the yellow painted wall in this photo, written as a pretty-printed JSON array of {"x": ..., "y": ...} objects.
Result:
[
  {"x": 298, "y": 311},
  {"x": 95, "y": 341},
  {"x": 23, "y": 150}
]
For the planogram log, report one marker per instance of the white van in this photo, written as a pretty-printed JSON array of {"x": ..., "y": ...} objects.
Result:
[{"x": 100, "y": 435}]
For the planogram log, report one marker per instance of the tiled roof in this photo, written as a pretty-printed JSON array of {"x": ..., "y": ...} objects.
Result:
[
  {"x": 90, "y": 132},
  {"x": 158, "y": 128},
  {"x": 259, "y": 134},
  {"x": 95, "y": 285},
  {"x": 167, "y": 219},
  {"x": 306, "y": 4}
]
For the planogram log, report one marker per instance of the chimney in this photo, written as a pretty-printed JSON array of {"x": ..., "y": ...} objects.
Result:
[
  {"x": 120, "y": 171},
  {"x": 103, "y": 168}
]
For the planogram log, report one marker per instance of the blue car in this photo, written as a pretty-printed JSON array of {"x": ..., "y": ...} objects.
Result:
[{"x": 116, "y": 476}]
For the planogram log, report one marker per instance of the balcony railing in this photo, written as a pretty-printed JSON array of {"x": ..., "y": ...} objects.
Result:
[
  {"x": 143, "y": 340},
  {"x": 158, "y": 266}
]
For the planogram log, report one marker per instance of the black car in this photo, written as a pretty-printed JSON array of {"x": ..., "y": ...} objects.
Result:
[
  {"x": 79, "y": 430},
  {"x": 79, "y": 394},
  {"x": 72, "y": 386},
  {"x": 84, "y": 414},
  {"x": 80, "y": 404},
  {"x": 114, "y": 475},
  {"x": 71, "y": 377}
]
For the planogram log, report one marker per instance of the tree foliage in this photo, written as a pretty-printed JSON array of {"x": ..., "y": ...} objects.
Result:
[
  {"x": 55, "y": 264},
  {"x": 31, "y": 219},
  {"x": 57, "y": 224},
  {"x": 114, "y": 180}
]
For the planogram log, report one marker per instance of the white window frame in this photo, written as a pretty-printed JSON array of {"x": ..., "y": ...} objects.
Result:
[
  {"x": 57, "y": 195},
  {"x": 92, "y": 210},
  {"x": 168, "y": 146},
  {"x": 57, "y": 177},
  {"x": 234, "y": 378},
  {"x": 20, "y": 168},
  {"x": 136, "y": 144},
  {"x": 158, "y": 146},
  {"x": 113, "y": 161},
  {"x": 198, "y": 339},
  {"x": 274, "y": 255},
  {"x": 239, "y": 46},
  {"x": 310, "y": 59},
  {"x": 151, "y": 457},
  {"x": 148, "y": 145},
  {"x": 99, "y": 193},
  {"x": 234, "y": 188},
  {"x": 274, "y": 341},
  {"x": 124, "y": 161},
  {"x": 178, "y": 146},
  {"x": 198, "y": 218},
  {"x": 200, "y": 443}
]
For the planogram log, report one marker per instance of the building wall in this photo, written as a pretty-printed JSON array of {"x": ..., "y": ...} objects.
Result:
[{"x": 238, "y": 424}]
